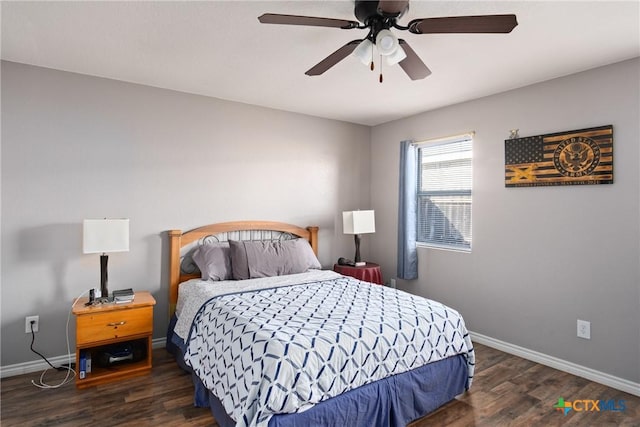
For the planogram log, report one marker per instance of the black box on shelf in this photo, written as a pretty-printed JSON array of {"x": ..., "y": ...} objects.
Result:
[{"x": 125, "y": 352}]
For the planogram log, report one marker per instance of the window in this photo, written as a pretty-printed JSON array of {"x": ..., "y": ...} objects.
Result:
[{"x": 444, "y": 193}]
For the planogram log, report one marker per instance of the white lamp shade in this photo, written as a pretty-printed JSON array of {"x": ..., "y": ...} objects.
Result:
[
  {"x": 396, "y": 56},
  {"x": 386, "y": 42},
  {"x": 364, "y": 52},
  {"x": 358, "y": 222},
  {"x": 105, "y": 235}
]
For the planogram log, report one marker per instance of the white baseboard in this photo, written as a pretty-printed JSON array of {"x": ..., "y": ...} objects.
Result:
[
  {"x": 559, "y": 364},
  {"x": 34, "y": 366},
  {"x": 553, "y": 362},
  {"x": 41, "y": 365}
]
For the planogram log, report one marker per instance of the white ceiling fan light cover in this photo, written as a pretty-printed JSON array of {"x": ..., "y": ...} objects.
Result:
[
  {"x": 364, "y": 51},
  {"x": 396, "y": 56},
  {"x": 386, "y": 42}
]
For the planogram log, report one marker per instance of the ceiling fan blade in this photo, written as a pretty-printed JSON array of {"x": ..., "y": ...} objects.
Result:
[
  {"x": 464, "y": 24},
  {"x": 274, "y": 18},
  {"x": 333, "y": 59},
  {"x": 412, "y": 64},
  {"x": 393, "y": 8}
]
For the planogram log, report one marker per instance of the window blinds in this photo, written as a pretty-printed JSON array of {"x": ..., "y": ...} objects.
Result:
[{"x": 444, "y": 193}]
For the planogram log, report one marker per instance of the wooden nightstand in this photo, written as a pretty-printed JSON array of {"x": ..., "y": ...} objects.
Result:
[
  {"x": 104, "y": 327},
  {"x": 367, "y": 273}
]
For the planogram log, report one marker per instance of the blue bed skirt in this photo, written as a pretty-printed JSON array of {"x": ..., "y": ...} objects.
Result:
[{"x": 394, "y": 401}]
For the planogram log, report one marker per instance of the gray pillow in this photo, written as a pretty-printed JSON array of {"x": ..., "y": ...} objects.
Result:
[
  {"x": 214, "y": 261},
  {"x": 239, "y": 263},
  {"x": 264, "y": 258}
]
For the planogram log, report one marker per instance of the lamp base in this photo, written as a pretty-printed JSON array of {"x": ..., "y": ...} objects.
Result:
[
  {"x": 356, "y": 238},
  {"x": 104, "y": 290}
]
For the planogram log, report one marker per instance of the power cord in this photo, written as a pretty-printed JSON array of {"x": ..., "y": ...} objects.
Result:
[
  {"x": 71, "y": 373},
  {"x": 33, "y": 339}
]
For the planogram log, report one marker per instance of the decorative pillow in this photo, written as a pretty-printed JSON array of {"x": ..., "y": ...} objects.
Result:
[
  {"x": 263, "y": 258},
  {"x": 214, "y": 261}
]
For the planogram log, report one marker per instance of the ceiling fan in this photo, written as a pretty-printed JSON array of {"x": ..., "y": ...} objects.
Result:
[{"x": 379, "y": 17}]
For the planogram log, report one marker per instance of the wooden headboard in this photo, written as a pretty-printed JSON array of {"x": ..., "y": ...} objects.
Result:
[{"x": 178, "y": 240}]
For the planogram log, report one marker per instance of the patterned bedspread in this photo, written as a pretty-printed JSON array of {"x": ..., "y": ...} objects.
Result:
[{"x": 281, "y": 350}]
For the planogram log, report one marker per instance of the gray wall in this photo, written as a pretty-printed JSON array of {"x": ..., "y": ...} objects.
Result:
[
  {"x": 542, "y": 257},
  {"x": 76, "y": 147}
]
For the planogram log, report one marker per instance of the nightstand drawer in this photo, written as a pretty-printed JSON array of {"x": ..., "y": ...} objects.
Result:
[{"x": 114, "y": 324}]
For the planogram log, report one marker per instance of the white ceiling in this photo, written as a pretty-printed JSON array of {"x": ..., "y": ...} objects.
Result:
[{"x": 220, "y": 49}]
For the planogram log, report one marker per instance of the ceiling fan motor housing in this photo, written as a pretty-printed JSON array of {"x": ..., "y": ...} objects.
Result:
[{"x": 365, "y": 10}]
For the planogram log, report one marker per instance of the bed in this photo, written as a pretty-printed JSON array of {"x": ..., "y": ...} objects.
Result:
[{"x": 270, "y": 339}]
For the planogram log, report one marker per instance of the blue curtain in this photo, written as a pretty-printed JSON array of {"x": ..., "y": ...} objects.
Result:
[{"x": 407, "y": 222}]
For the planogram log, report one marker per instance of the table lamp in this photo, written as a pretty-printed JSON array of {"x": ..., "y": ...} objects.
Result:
[
  {"x": 102, "y": 236},
  {"x": 357, "y": 223}
]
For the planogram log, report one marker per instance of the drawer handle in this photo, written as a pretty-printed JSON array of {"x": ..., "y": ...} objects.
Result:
[{"x": 116, "y": 323}]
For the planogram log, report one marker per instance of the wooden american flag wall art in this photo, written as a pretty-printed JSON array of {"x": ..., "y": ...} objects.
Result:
[{"x": 575, "y": 157}]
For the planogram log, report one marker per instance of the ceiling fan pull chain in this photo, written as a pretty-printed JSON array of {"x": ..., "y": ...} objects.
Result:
[
  {"x": 380, "y": 68},
  {"x": 372, "y": 55}
]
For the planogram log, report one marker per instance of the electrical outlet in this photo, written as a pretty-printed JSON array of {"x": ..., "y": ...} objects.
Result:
[
  {"x": 27, "y": 324},
  {"x": 584, "y": 329}
]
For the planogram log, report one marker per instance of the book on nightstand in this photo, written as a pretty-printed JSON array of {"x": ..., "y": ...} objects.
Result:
[
  {"x": 82, "y": 369},
  {"x": 87, "y": 362}
]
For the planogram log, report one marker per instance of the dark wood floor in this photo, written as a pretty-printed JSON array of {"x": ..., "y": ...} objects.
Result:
[{"x": 507, "y": 391}]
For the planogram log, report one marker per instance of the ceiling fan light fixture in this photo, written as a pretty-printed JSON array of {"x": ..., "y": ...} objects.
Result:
[
  {"x": 386, "y": 42},
  {"x": 396, "y": 56},
  {"x": 379, "y": 17},
  {"x": 364, "y": 51}
]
